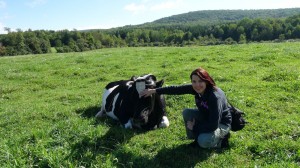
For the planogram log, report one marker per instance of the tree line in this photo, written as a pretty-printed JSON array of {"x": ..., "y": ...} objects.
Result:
[{"x": 243, "y": 31}]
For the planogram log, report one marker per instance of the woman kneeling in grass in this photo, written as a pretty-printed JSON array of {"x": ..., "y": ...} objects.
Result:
[{"x": 209, "y": 124}]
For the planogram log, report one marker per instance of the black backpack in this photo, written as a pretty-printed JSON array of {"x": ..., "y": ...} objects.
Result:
[{"x": 238, "y": 121}]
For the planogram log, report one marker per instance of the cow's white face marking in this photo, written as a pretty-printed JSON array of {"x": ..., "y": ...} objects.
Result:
[
  {"x": 143, "y": 81},
  {"x": 140, "y": 86}
]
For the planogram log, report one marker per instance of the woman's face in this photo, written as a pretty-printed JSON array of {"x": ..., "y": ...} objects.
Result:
[{"x": 198, "y": 84}]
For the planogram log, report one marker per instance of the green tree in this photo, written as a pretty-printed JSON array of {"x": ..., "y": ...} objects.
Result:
[
  {"x": 266, "y": 32},
  {"x": 187, "y": 36},
  {"x": 288, "y": 34},
  {"x": 32, "y": 42},
  {"x": 242, "y": 39},
  {"x": 246, "y": 23},
  {"x": 281, "y": 37},
  {"x": 296, "y": 32},
  {"x": 107, "y": 40},
  {"x": 45, "y": 46},
  {"x": 155, "y": 36},
  {"x": 90, "y": 41},
  {"x": 7, "y": 29},
  {"x": 232, "y": 31},
  {"x": 145, "y": 36},
  {"x": 277, "y": 28},
  {"x": 229, "y": 41},
  {"x": 20, "y": 46},
  {"x": 240, "y": 30},
  {"x": 2, "y": 51},
  {"x": 218, "y": 32},
  {"x": 255, "y": 35},
  {"x": 131, "y": 39}
]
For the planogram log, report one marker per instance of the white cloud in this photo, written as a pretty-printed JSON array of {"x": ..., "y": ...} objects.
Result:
[
  {"x": 5, "y": 17},
  {"x": 148, "y": 5},
  {"x": 35, "y": 3},
  {"x": 135, "y": 8},
  {"x": 2, "y": 4},
  {"x": 284, "y": 4},
  {"x": 254, "y": 4},
  {"x": 166, "y": 5}
]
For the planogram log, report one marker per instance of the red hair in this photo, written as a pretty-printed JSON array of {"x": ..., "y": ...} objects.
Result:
[{"x": 203, "y": 75}]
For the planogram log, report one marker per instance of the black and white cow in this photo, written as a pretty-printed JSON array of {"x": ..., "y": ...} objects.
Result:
[{"x": 121, "y": 101}]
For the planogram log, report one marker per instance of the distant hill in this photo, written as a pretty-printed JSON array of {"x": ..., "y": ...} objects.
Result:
[{"x": 208, "y": 16}]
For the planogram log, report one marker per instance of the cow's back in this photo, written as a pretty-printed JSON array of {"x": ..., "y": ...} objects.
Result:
[
  {"x": 115, "y": 97},
  {"x": 121, "y": 83}
]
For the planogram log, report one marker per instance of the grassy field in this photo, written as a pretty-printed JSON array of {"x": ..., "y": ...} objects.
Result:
[{"x": 48, "y": 103}]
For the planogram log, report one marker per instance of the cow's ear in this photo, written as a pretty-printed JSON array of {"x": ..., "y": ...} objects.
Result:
[{"x": 159, "y": 83}]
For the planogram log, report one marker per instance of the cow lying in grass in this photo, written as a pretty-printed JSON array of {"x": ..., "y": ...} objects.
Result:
[{"x": 121, "y": 101}]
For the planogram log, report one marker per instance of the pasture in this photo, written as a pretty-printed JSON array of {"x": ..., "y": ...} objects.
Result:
[{"x": 48, "y": 103}]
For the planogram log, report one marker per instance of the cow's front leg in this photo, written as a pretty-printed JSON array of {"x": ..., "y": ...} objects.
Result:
[
  {"x": 125, "y": 118},
  {"x": 128, "y": 124},
  {"x": 164, "y": 122}
]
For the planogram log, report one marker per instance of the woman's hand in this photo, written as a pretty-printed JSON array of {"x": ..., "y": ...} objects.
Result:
[
  {"x": 190, "y": 124},
  {"x": 147, "y": 92}
]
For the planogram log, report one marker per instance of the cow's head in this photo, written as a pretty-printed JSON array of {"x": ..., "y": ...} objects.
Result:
[{"x": 145, "y": 105}]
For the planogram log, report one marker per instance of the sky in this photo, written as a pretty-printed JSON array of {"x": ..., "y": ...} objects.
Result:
[{"x": 105, "y": 14}]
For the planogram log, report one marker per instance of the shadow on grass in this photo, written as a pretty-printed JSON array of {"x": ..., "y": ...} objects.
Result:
[
  {"x": 88, "y": 149},
  {"x": 109, "y": 147},
  {"x": 89, "y": 112},
  {"x": 179, "y": 156}
]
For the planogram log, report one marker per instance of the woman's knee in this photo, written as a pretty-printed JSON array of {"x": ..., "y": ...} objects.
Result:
[
  {"x": 185, "y": 113},
  {"x": 188, "y": 113},
  {"x": 206, "y": 141}
]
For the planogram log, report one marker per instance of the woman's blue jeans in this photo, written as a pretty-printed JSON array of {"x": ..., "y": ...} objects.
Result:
[{"x": 205, "y": 140}]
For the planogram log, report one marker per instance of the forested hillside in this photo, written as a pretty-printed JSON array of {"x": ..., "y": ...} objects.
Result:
[
  {"x": 223, "y": 16},
  {"x": 194, "y": 28}
]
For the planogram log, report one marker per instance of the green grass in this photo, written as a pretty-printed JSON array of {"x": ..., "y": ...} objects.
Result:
[{"x": 48, "y": 103}]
